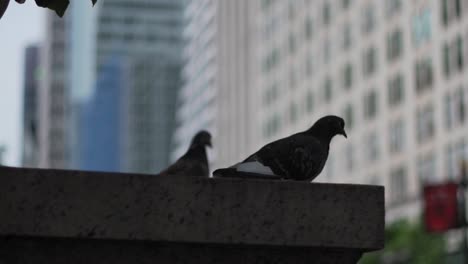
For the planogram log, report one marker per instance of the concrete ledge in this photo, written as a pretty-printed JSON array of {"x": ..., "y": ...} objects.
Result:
[{"x": 90, "y": 206}]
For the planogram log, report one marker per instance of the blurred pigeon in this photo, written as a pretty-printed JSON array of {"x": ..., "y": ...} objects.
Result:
[
  {"x": 194, "y": 162},
  {"x": 301, "y": 156}
]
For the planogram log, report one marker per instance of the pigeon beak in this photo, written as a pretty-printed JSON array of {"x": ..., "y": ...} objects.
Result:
[
  {"x": 343, "y": 133},
  {"x": 209, "y": 144}
]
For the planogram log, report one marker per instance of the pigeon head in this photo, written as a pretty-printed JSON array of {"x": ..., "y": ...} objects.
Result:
[
  {"x": 328, "y": 126},
  {"x": 202, "y": 138}
]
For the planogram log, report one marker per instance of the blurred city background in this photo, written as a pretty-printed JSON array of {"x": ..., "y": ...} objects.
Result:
[{"x": 125, "y": 85}]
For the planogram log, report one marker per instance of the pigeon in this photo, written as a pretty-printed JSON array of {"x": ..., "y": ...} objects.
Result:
[
  {"x": 194, "y": 162},
  {"x": 301, "y": 156}
]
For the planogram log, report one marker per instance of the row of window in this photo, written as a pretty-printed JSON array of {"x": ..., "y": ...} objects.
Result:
[
  {"x": 455, "y": 103},
  {"x": 392, "y": 7}
]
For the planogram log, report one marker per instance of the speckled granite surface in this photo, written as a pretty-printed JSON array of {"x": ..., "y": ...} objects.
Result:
[{"x": 114, "y": 210}]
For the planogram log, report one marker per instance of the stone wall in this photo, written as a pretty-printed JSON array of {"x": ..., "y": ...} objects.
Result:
[{"x": 57, "y": 216}]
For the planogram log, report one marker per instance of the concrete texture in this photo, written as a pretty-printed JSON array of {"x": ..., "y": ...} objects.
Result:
[{"x": 65, "y": 213}]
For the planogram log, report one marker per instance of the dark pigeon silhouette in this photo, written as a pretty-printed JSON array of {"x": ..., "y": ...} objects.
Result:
[
  {"x": 301, "y": 156},
  {"x": 195, "y": 161}
]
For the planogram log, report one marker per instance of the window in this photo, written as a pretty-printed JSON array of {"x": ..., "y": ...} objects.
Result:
[
  {"x": 450, "y": 162},
  {"x": 446, "y": 54},
  {"x": 426, "y": 167},
  {"x": 394, "y": 45},
  {"x": 423, "y": 75},
  {"x": 293, "y": 112},
  {"x": 326, "y": 13},
  {"x": 445, "y": 15},
  {"x": 292, "y": 43},
  {"x": 425, "y": 123},
  {"x": 345, "y": 4},
  {"x": 459, "y": 53},
  {"x": 347, "y": 73},
  {"x": 309, "y": 101},
  {"x": 327, "y": 90},
  {"x": 369, "y": 20},
  {"x": 451, "y": 10},
  {"x": 455, "y": 153},
  {"x": 369, "y": 61},
  {"x": 347, "y": 38},
  {"x": 398, "y": 185},
  {"x": 349, "y": 116},
  {"x": 397, "y": 136},
  {"x": 421, "y": 27},
  {"x": 271, "y": 60},
  {"x": 392, "y": 7},
  {"x": 455, "y": 108},
  {"x": 395, "y": 90},
  {"x": 453, "y": 56},
  {"x": 370, "y": 105},
  {"x": 266, "y": 3},
  {"x": 308, "y": 28},
  {"x": 292, "y": 10},
  {"x": 371, "y": 143}
]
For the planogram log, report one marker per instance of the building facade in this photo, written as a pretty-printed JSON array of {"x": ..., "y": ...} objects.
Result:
[
  {"x": 395, "y": 70},
  {"x": 53, "y": 96},
  {"x": 217, "y": 93},
  {"x": 30, "y": 152},
  {"x": 196, "y": 109}
]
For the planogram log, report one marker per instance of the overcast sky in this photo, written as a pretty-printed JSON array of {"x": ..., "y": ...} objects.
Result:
[{"x": 20, "y": 26}]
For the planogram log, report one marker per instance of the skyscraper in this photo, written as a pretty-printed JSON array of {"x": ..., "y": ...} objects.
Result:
[
  {"x": 30, "y": 153},
  {"x": 218, "y": 91},
  {"x": 153, "y": 85},
  {"x": 53, "y": 130},
  {"x": 196, "y": 107}
]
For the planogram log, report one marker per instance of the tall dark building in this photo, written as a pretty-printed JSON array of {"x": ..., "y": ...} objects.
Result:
[
  {"x": 30, "y": 153},
  {"x": 104, "y": 119}
]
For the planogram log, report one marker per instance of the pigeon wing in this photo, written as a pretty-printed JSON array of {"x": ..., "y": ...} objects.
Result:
[{"x": 295, "y": 157}]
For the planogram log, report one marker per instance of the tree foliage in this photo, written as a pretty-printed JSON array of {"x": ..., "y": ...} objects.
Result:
[{"x": 408, "y": 243}]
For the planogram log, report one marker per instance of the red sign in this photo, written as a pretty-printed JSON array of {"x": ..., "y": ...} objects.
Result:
[{"x": 440, "y": 207}]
